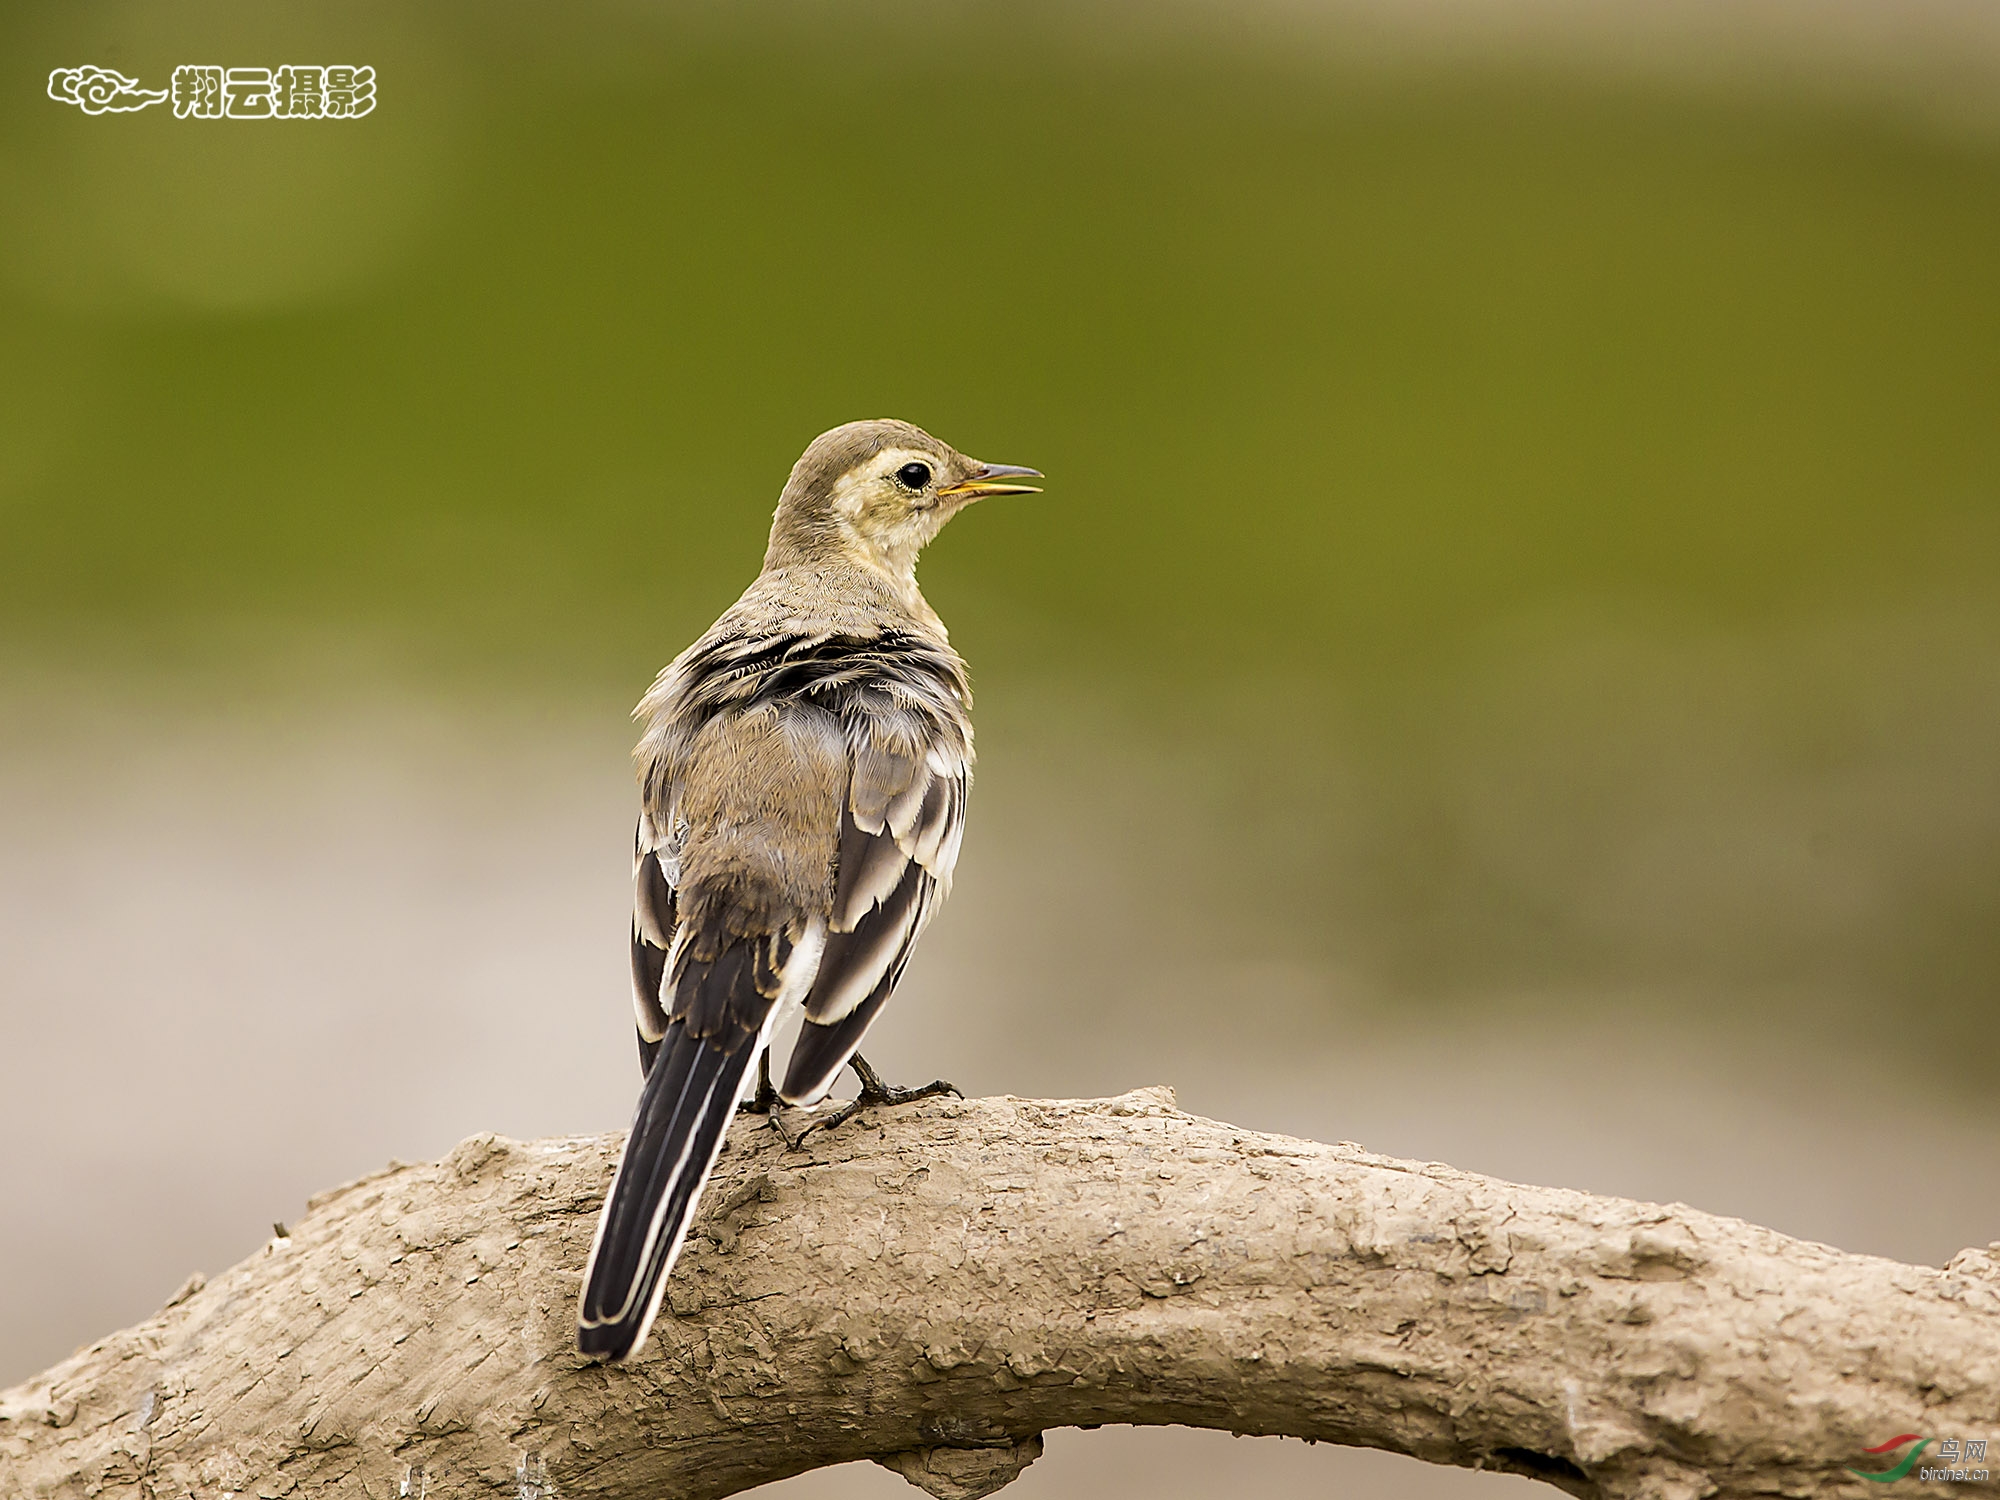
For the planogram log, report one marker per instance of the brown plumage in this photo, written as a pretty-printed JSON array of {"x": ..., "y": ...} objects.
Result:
[{"x": 803, "y": 777}]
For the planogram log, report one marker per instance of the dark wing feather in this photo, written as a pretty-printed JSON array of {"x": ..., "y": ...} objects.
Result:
[
  {"x": 853, "y": 963},
  {"x": 655, "y": 915},
  {"x": 870, "y": 866},
  {"x": 899, "y": 839},
  {"x": 824, "y": 1047}
]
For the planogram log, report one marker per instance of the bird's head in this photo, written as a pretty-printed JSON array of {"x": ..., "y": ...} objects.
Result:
[{"x": 875, "y": 492}]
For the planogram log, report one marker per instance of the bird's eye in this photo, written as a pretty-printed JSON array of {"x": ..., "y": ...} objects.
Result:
[{"x": 915, "y": 476}]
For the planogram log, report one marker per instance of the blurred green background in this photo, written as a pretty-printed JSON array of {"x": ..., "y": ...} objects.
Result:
[
  {"x": 1539, "y": 448},
  {"x": 1523, "y": 530}
]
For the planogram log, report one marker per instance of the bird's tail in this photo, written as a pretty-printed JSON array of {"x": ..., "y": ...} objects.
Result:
[{"x": 686, "y": 1105}]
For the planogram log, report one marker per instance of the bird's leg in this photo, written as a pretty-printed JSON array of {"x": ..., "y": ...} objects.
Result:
[
  {"x": 875, "y": 1091},
  {"x": 765, "y": 1100}
]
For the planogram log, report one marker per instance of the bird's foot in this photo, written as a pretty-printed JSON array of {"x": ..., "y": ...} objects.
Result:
[
  {"x": 763, "y": 1102},
  {"x": 873, "y": 1092},
  {"x": 776, "y": 1121}
]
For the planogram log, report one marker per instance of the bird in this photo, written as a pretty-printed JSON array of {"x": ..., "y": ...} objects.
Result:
[{"x": 803, "y": 772}]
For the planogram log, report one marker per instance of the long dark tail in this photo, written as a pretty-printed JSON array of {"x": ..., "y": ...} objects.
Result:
[{"x": 685, "y": 1107}]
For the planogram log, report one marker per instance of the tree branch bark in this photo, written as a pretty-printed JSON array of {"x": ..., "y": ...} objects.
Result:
[{"x": 935, "y": 1285}]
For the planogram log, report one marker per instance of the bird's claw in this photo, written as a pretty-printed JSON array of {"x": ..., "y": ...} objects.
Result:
[
  {"x": 873, "y": 1092},
  {"x": 833, "y": 1121},
  {"x": 764, "y": 1101},
  {"x": 792, "y": 1142},
  {"x": 890, "y": 1094}
]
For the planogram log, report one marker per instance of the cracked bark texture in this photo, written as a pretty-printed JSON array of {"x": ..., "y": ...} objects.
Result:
[{"x": 935, "y": 1285}]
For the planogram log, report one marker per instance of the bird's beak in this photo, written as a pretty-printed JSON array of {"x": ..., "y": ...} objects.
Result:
[{"x": 991, "y": 479}]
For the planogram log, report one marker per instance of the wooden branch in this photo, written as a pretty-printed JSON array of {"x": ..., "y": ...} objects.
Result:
[{"x": 935, "y": 1285}]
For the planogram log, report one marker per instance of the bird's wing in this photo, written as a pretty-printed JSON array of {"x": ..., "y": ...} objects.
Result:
[
  {"x": 899, "y": 837},
  {"x": 655, "y": 916}
]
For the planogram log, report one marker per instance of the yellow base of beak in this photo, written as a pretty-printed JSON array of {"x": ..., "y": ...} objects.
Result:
[{"x": 991, "y": 480}]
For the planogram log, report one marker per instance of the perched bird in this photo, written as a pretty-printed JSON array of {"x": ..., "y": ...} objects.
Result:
[{"x": 803, "y": 776}]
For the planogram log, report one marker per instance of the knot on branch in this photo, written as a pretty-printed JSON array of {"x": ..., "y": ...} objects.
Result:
[{"x": 964, "y": 1473}]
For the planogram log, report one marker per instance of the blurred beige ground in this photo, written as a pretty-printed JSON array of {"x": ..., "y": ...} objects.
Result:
[{"x": 252, "y": 954}]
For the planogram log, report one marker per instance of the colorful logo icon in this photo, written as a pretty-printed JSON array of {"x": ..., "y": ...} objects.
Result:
[{"x": 1904, "y": 1465}]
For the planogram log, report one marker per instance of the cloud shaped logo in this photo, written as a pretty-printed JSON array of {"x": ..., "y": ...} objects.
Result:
[{"x": 98, "y": 91}]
